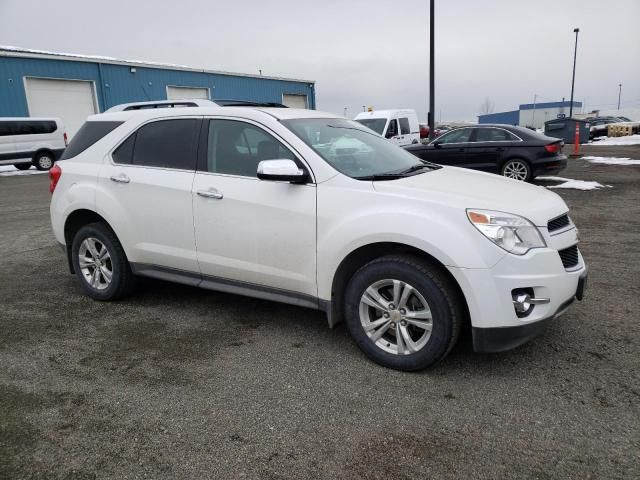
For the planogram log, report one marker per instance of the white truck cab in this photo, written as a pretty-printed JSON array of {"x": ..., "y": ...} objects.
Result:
[{"x": 399, "y": 126}]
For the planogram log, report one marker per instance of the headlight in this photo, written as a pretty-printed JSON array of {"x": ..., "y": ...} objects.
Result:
[{"x": 515, "y": 234}]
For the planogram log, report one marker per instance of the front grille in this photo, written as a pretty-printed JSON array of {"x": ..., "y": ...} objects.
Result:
[
  {"x": 558, "y": 223},
  {"x": 569, "y": 256}
]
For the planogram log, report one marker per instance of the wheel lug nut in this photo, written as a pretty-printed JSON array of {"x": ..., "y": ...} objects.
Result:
[
  {"x": 385, "y": 314},
  {"x": 403, "y": 311},
  {"x": 403, "y": 323},
  {"x": 392, "y": 306}
]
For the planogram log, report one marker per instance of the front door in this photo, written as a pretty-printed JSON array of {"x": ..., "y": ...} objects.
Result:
[
  {"x": 248, "y": 231},
  {"x": 451, "y": 148}
]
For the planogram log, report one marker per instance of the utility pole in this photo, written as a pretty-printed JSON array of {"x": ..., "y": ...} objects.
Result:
[
  {"x": 573, "y": 77},
  {"x": 533, "y": 120},
  {"x": 432, "y": 103},
  {"x": 619, "y": 94}
]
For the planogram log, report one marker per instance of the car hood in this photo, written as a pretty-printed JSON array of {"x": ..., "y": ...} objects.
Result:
[{"x": 463, "y": 188}]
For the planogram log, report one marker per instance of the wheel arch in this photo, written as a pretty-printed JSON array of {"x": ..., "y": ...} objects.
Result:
[
  {"x": 366, "y": 253},
  {"x": 74, "y": 222}
]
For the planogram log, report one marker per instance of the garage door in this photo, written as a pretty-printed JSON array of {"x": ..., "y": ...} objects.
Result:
[
  {"x": 71, "y": 100},
  {"x": 182, "y": 93},
  {"x": 294, "y": 101}
]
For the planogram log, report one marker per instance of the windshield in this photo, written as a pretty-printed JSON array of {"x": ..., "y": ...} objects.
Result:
[
  {"x": 354, "y": 150},
  {"x": 375, "y": 124}
]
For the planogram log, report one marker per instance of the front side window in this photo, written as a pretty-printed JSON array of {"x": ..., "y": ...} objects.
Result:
[
  {"x": 236, "y": 148},
  {"x": 462, "y": 135},
  {"x": 404, "y": 126},
  {"x": 353, "y": 150},
  {"x": 164, "y": 144}
]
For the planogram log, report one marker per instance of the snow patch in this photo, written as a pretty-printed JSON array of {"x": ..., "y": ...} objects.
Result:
[
  {"x": 11, "y": 171},
  {"x": 628, "y": 140},
  {"x": 612, "y": 160},
  {"x": 572, "y": 183}
]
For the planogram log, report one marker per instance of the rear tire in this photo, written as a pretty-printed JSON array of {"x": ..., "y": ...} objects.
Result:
[
  {"x": 22, "y": 166},
  {"x": 43, "y": 161},
  {"x": 517, "y": 169},
  {"x": 100, "y": 263},
  {"x": 416, "y": 331}
]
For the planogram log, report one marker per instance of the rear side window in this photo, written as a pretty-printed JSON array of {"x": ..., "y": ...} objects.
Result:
[
  {"x": 494, "y": 135},
  {"x": 404, "y": 126},
  {"x": 165, "y": 144},
  {"x": 27, "y": 127},
  {"x": 88, "y": 134}
]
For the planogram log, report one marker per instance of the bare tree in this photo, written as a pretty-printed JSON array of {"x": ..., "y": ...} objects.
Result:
[{"x": 486, "y": 107}]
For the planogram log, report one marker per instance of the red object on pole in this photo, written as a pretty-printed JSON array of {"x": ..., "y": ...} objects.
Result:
[{"x": 576, "y": 141}]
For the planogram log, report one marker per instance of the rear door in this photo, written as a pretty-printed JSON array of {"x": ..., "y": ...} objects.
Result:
[
  {"x": 488, "y": 148},
  {"x": 405, "y": 131},
  {"x": 145, "y": 193},
  {"x": 248, "y": 231}
]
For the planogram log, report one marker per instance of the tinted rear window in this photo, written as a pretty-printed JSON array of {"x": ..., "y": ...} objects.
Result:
[
  {"x": 167, "y": 144},
  {"x": 27, "y": 127},
  {"x": 88, "y": 134}
]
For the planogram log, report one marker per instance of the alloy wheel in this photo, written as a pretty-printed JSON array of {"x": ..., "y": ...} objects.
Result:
[
  {"x": 516, "y": 170},
  {"x": 95, "y": 263},
  {"x": 45, "y": 162},
  {"x": 395, "y": 317}
]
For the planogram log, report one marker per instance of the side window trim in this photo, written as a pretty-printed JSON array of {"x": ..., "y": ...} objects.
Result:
[
  {"x": 203, "y": 146},
  {"x": 153, "y": 120}
]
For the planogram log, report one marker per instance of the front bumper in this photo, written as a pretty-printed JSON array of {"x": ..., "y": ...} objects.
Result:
[
  {"x": 500, "y": 339},
  {"x": 488, "y": 292}
]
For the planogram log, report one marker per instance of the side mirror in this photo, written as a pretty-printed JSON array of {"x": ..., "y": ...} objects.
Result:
[
  {"x": 281, "y": 170},
  {"x": 390, "y": 134},
  {"x": 436, "y": 143}
]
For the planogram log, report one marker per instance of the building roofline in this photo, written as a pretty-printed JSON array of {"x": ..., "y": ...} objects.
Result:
[
  {"x": 566, "y": 104},
  {"x": 11, "y": 51}
]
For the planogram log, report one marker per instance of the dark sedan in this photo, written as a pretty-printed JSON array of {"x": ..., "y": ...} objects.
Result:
[{"x": 514, "y": 152}]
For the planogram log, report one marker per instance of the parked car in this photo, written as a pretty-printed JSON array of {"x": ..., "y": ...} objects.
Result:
[
  {"x": 27, "y": 141},
  {"x": 399, "y": 126},
  {"x": 307, "y": 208},
  {"x": 424, "y": 132},
  {"x": 599, "y": 126},
  {"x": 514, "y": 152}
]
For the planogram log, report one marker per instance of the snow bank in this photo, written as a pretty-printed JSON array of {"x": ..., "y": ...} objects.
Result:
[
  {"x": 572, "y": 184},
  {"x": 10, "y": 171},
  {"x": 608, "y": 141},
  {"x": 612, "y": 160}
]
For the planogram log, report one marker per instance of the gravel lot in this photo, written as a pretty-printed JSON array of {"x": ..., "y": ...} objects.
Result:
[{"x": 177, "y": 382}]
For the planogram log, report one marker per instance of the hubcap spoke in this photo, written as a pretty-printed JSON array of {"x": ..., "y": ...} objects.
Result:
[
  {"x": 376, "y": 324},
  {"x": 418, "y": 315},
  {"x": 373, "y": 298},
  {"x": 95, "y": 278},
  {"x": 420, "y": 324},
  {"x": 106, "y": 273},
  {"x": 381, "y": 331},
  {"x": 91, "y": 246},
  {"x": 399, "y": 340},
  {"x": 406, "y": 293},
  {"x": 407, "y": 340}
]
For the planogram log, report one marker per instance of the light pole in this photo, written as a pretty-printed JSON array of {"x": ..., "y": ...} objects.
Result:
[
  {"x": 619, "y": 94},
  {"x": 432, "y": 103},
  {"x": 573, "y": 77}
]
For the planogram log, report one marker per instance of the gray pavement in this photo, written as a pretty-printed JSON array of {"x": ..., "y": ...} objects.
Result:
[{"x": 177, "y": 382}]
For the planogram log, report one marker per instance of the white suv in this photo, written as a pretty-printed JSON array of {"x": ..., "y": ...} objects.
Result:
[{"x": 318, "y": 211}]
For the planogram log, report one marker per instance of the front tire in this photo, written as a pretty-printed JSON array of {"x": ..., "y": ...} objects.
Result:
[
  {"x": 22, "y": 166},
  {"x": 517, "y": 169},
  {"x": 100, "y": 263},
  {"x": 43, "y": 161},
  {"x": 403, "y": 312}
]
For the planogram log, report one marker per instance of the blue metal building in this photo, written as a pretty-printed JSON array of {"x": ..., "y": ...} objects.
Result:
[
  {"x": 38, "y": 83},
  {"x": 531, "y": 114}
]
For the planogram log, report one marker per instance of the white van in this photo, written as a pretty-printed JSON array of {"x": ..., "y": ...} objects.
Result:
[
  {"x": 399, "y": 126},
  {"x": 26, "y": 141}
]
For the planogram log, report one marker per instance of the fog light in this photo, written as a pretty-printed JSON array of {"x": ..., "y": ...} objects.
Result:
[{"x": 524, "y": 301}]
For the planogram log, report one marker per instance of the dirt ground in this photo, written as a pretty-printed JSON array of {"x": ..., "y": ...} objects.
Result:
[{"x": 177, "y": 382}]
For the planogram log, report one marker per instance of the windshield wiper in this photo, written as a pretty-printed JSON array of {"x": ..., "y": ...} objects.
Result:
[{"x": 415, "y": 168}]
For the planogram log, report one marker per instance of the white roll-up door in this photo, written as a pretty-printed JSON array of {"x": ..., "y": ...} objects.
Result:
[
  {"x": 294, "y": 101},
  {"x": 70, "y": 100},
  {"x": 183, "y": 93}
]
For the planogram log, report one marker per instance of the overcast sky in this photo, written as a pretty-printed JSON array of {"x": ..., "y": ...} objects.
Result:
[{"x": 364, "y": 52}]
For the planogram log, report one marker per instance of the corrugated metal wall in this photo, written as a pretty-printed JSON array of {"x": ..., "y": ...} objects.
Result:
[
  {"x": 115, "y": 84},
  {"x": 504, "y": 118}
]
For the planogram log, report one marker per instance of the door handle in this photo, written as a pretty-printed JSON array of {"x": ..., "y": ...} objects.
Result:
[
  {"x": 120, "y": 178},
  {"x": 211, "y": 193}
]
